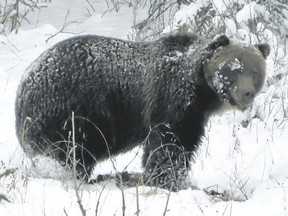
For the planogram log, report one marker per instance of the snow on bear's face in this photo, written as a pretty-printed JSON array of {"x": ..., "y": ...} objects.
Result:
[{"x": 236, "y": 72}]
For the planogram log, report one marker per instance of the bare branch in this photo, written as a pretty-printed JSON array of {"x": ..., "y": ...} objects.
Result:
[{"x": 79, "y": 201}]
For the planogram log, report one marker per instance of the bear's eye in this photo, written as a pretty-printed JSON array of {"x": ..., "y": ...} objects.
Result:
[
  {"x": 256, "y": 78},
  {"x": 238, "y": 70},
  {"x": 255, "y": 75}
]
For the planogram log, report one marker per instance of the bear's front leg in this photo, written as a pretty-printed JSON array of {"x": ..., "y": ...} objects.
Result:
[{"x": 165, "y": 161}]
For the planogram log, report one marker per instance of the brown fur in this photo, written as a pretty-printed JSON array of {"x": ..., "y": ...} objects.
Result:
[{"x": 242, "y": 67}]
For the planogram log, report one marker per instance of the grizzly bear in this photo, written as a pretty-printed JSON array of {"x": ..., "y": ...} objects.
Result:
[{"x": 119, "y": 94}]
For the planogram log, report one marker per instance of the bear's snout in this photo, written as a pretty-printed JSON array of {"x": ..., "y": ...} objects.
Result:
[
  {"x": 243, "y": 97},
  {"x": 248, "y": 96}
]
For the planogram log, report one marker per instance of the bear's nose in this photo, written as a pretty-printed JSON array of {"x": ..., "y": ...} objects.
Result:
[{"x": 248, "y": 96}]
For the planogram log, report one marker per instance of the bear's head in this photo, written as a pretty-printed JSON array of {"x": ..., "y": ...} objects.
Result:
[{"x": 236, "y": 71}]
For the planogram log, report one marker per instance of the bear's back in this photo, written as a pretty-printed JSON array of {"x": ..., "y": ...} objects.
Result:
[{"x": 89, "y": 75}]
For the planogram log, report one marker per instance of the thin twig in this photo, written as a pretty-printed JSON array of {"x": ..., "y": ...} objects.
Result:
[
  {"x": 137, "y": 201},
  {"x": 79, "y": 201},
  {"x": 64, "y": 26},
  {"x": 91, "y": 5},
  {"x": 65, "y": 212},
  {"x": 123, "y": 202},
  {"x": 167, "y": 202},
  {"x": 98, "y": 201}
]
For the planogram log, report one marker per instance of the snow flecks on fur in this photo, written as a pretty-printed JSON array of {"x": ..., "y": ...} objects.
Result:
[
  {"x": 251, "y": 159},
  {"x": 235, "y": 65},
  {"x": 220, "y": 83},
  {"x": 174, "y": 58},
  {"x": 221, "y": 65}
]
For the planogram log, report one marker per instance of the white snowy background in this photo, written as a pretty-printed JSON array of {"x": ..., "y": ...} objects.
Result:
[{"x": 247, "y": 165}]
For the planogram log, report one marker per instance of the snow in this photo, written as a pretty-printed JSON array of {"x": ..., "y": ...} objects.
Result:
[
  {"x": 236, "y": 64},
  {"x": 246, "y": 13},
  {"x": 247, "y": 164}
]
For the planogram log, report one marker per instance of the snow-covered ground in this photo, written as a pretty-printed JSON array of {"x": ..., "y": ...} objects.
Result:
[{"x": 247, "y": 165}]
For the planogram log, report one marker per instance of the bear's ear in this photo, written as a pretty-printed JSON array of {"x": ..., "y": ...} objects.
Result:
[
  {"x": 222, "y": 40},
  {"x": 264, "y": 48}
]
